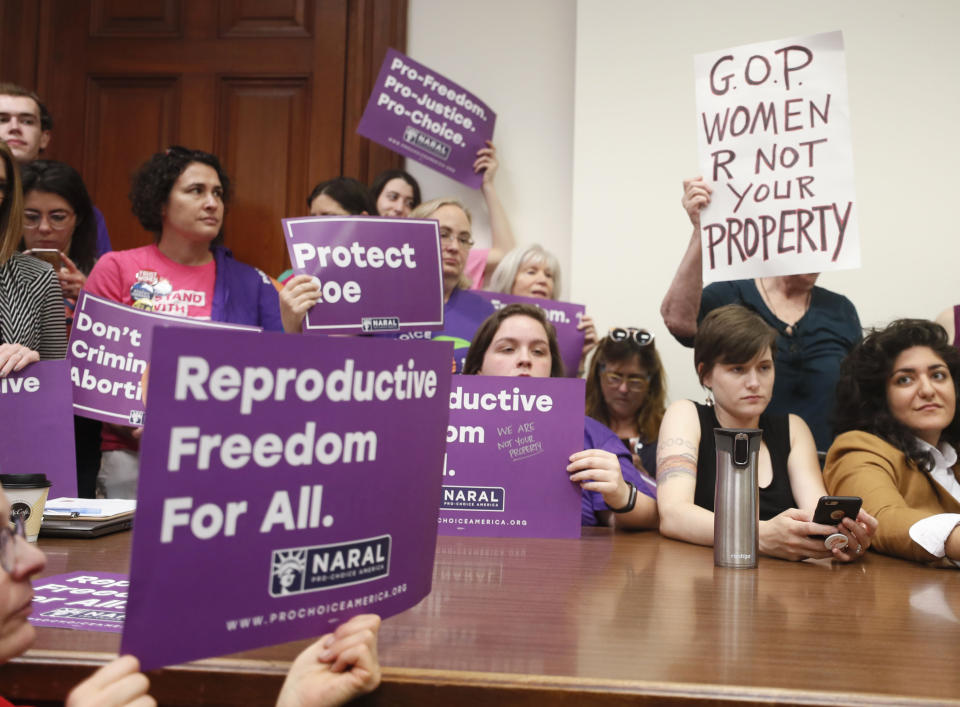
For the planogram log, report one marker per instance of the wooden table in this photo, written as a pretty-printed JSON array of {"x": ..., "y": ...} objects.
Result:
[{"x": 608, "y": 619}]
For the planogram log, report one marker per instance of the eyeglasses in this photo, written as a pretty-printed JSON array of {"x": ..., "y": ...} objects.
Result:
[
  {"x": 8, "y": 543},
  {"x": 641, "y": 337},
  {"x": 58, "y": 220},
  {"x": 635, "y": 383},
  {"x": 462, "y": 240}
]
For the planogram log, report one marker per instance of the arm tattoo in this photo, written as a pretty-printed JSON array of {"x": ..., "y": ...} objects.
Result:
[
  {"x": 679, "y": 442},
  {"x": 676, "y": 465}
]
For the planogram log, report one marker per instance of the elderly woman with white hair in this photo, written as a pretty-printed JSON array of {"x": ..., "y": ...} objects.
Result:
[{"x": 534, "y": 271}]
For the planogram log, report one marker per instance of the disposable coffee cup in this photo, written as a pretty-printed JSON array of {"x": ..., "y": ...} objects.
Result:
[{"x": 28, "y": 495}]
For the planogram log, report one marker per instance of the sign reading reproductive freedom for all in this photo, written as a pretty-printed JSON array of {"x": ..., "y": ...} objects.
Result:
[
  {"x": 420, "y": 114},
  {"x": 563, "y": 315},
  {"x": 284, "y": 487},
  {"x": 84, "y": 601},
  {"x": 376, "y": 274},
  {"x": 508, "y": 445},
  {"x": 35, "y": 407},
  {"x": 773, "y": 131},
  {"x": 109, "y": 352}
]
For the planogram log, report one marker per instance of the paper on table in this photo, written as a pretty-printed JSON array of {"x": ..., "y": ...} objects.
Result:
[{"x": 98, "y": 508}]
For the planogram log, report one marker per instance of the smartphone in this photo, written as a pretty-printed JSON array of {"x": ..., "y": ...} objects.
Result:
[
  {"x": 50, "y": 255},
  {"x": 831, "y": 510}
]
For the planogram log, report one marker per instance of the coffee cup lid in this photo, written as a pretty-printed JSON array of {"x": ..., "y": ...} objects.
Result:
[{"x": 24, "y": 481}]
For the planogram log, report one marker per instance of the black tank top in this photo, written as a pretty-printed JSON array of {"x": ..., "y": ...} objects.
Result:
[{"x": 775, "y": 498}]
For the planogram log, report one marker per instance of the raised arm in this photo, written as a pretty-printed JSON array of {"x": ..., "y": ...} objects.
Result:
[
  {"x": 677, "y": 451},
  {"x": 501, "y": 235},
  {"x": 945, "y": 319},
  {"x": 681, "y": 304}
]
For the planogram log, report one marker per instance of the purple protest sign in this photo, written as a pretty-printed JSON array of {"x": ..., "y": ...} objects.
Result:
[
  {"x": 376, "y": 274},
  {"x": 508, "y": 445},
  {"x": 35, "y": 406},
  {"x": 109, "y": 353},
  {"x": 563, "y": 315},
  {"x": 84, "y": 601},
  {"x": 420, "y": 114},
  {"x": 289, "y": 481}
]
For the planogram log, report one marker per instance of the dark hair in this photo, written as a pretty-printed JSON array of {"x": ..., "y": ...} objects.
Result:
[
  {"x": 154, "y": 180},
  {"x": 862, "y": 387},
  {"x": 730, "y": 334},
  {"x": 11, "y": 208},
  {"x": 352, "y": 196},
  {"x": 378, "y": 184},
  {"x": 650, "y": 414},
  {"x": 12, "y": 89},
  {"x": 484, "y": 337},
  {"x": 63, "y": 180}
]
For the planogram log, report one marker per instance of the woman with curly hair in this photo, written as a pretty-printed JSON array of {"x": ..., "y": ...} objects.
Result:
[
  {"x": 179, "y": 195},
  {"x": 627, "y": 391},
  {"x": 896, "y": 410}
]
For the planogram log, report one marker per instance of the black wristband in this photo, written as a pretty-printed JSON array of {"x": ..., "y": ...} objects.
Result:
[{"x": 631, "y": 502}]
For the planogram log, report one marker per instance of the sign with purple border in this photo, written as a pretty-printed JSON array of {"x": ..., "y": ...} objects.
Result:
[
  {"x": 85, "y": 601},
  {"x": 420, "y": 114},
  {"x": 35, "y": 406},
  {"x": 563, "y": 315},
  {"x": 508, "y": 445},
  {"x": 376, "y": 274},
  {"x": 108, "y": 354},
  {"x": 289, "y": 481}
]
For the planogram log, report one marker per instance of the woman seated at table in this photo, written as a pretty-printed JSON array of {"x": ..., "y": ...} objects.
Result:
[
  {"x": 535, "y": 272},
  {"x": 31, "y": 319},
  {"x": 336, "y": 668},
  {"x": 179, "y": 195},
  {"x": 896, "y": 410},
  {"x": 518, "y": 340},
  {"x": 626, "y": 390},
  {"x": 733, "y": 353}
]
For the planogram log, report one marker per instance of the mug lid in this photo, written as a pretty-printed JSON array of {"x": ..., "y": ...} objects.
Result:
[{"x": 24, "y": 481}]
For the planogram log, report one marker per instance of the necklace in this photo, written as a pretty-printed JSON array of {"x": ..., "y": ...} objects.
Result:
[{"x": 789, "y": 325}]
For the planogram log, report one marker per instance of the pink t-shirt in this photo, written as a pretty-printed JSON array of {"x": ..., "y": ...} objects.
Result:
[
  {"x": 475, "y": 267},
  {"x": 147, "y": 279}
]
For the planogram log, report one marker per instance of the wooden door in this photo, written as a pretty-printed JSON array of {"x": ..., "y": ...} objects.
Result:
[{"x": 275, "y": 88}]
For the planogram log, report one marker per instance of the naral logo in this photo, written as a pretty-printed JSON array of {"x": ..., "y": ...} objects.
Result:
[
  {"x": 425, "y": 142},
  {"x": 380, "y": 323},
  {"x": 136, "y": 417},
  {"x": 313, "y": 569},
  {"x": 472, "y": 498}
]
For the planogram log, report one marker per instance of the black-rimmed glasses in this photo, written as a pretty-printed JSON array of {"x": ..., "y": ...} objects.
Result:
[
  {"x": 641, "y": 337},
  {"x": 8, "y": 543}
]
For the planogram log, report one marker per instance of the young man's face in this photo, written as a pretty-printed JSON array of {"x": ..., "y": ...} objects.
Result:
[{"x": 20, "y": 127}]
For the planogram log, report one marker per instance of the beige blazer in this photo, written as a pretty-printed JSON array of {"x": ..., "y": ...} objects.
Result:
[{"x": 894, "y": 491}]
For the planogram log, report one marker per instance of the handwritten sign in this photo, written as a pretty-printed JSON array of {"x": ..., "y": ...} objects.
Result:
[
  {"x": 420, "y": 114},
  {"x": 83, "y": 601},
  {"x": 35, "y": 406},
  {"x": 773, "y": 133},
  {"x": 563, "y": 315},
  {"x": 376, "y": 274},
  {"x": 508, "y": 445},
  {"x": 108, "y": 354},
  {"x": 288, "y": 485}
]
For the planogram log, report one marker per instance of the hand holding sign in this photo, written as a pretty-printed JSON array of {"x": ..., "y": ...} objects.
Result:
[
  {"x": 15, "y": 357},
  {"x": 116, "y": 684},
  {"x": 300, "y": 293}
]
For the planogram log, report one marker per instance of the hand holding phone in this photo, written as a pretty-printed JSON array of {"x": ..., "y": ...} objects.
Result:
[
  {"x": 831, "y": 510},
  {"x": 49, "y": 255}
]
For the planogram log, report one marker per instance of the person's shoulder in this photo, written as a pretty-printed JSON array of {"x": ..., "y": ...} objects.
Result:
[
  {"x": 831, "y": 299},
  {"x": 718, "y": 294},
  {"x": 29, "y": 268},
  {"x": 467, "y": 300},
  {"x": 861, "y": 441}
]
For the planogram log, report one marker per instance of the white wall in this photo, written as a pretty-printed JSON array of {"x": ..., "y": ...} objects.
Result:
[
  {"x": 616, "y": 143},
  {"x": 634, "y": 142},
  {"x": 518, "y": 57}
]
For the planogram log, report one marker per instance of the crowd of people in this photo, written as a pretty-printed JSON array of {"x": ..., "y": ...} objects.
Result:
[{"x": 776, "y": 353}]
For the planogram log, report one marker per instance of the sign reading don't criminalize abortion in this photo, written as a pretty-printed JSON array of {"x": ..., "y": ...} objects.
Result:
[
  {"x": 284, "y": 487},
  {"x": 109, "y": 354},
  {"x": 376, "y": 274},
  {"x": 508, "y": 445},
  {"x": 773, "y": 132},
  {"x": 420, "y": 114}
]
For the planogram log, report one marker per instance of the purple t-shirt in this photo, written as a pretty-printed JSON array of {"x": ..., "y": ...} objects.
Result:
[
  {"x": 596, "y": 435},
  {"x": 103, "y": 238},
  {"x": 463, "y": 314}
]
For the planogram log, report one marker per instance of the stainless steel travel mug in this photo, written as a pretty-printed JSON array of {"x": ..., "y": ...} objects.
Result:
[{"x": 736, "y": 500}]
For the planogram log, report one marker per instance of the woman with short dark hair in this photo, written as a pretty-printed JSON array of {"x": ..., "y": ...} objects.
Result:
[
  {"x": 733, "y": 354},
  {"x": 896, "y": 410}
]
